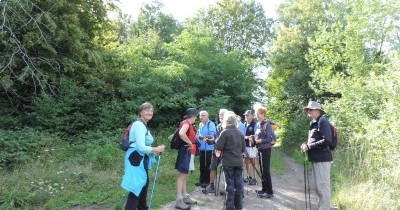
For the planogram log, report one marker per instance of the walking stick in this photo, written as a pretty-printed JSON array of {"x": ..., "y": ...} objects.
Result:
[
  {"x": 306, "y": 183},
  {"x": 154, "y": 182}
]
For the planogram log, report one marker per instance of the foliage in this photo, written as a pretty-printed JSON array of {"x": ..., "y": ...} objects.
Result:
[
  {"x": 344, "y": 53},
  {"x": 152, "y": 18},
  {"x": 237, "y": 26},
  {"x": 43, "y": 41},
  {"x": 23, "y": 146}
]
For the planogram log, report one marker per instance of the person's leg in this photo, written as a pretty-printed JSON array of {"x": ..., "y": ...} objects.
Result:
[
  {"x": 180, "y": 204},
  {"x": 230, "y": 187},
  {"x": 207, "y": 167},
  {"x": 203, "y": 172},
  {"x": 247, "y": 163},
  {"x": 267, "y": 173},
  {"x": 238, "y": 183},
  {"x": 264, "y": 160},
  {"x": 132, "y": 202},
  {"x": 261, "y": 166},
  {"x": 143, "y": 195},
  {"x": 321, "y": 172},
  {"x": 213, "y": 173}
]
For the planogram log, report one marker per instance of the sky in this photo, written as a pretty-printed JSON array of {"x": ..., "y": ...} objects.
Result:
[{"x": 182, "y": 9}]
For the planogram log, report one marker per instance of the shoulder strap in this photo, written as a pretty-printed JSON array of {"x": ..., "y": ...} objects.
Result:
[
  {"x": 147, "y": 129},
  {"x": 319, "y": 123}
]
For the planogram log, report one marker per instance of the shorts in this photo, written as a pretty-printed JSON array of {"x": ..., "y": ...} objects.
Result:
[
  {"x": 252, "y": 152},
  {"x": 183, "y": 160},
  {"x": 214, "y": 161}
]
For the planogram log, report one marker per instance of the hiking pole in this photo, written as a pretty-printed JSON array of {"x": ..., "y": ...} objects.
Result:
[
  {"x": 154, "y": 182},
  {"x": 305, "y": 181},
  {"x": 308, "y": 183},
  {"x": 218, "y": 180}
]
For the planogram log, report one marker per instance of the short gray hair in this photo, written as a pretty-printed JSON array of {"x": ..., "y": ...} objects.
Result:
[
  {"x": 229, "y": 120},
  {"x": 144, "y": 106}
]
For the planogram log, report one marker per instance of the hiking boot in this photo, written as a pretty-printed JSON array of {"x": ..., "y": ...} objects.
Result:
[
  {"x": 253, "y": 181},
  {"x": 203, "y": 185},
  {"x": 265, "y": 195},
  {"x": 246, "y": 180},
  {"x": 188, "y": 200},
  {"x": 181, "y": 205},
  {"x": 210, "y": 188}
]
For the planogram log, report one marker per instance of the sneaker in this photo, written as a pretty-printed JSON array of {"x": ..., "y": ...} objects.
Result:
[
  {"x": 265, "y": 195},
  {"x": 210, "y": 188},
  {"x": 188, "y": 200},
  {"x": 181, "y": 205},
  {"x": 253, "y": 182},
  {"x": 203, "y": 185}
]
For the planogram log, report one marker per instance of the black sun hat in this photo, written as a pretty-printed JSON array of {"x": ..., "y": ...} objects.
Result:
[{"x": 190, "y": 113}]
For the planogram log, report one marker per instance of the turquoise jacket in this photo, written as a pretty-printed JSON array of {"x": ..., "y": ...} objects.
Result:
[{"x": 135, "y": 177}]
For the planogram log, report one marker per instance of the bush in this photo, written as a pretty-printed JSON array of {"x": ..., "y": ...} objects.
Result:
[{"x": 24, "y": 146}]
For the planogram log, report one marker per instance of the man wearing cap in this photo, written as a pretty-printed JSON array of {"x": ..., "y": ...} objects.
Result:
[
  {"x": 251, "y": 150},
  {"x": 319, "y": 154}
]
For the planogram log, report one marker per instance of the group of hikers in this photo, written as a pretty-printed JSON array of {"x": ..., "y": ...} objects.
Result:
[{"x": 228, "y": 143}]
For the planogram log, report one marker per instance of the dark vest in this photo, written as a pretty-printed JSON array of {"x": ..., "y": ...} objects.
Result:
[{"x": 249, "y": 131}]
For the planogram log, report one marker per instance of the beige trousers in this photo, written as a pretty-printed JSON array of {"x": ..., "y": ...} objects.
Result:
[{"x": 322, "y": 181}]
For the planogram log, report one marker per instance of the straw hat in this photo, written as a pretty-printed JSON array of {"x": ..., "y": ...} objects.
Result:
[{"x": 313, "y": 105}]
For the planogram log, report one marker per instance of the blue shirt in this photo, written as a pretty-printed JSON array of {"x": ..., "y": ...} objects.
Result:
[
  {"x": 242, "y": 128},
  {"x": 206, "y": 129}
]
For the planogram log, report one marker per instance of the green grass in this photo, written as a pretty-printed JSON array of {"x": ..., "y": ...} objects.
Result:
[
  {"x": 277, "y": 162},
  {"x": 89, "y": 174}
]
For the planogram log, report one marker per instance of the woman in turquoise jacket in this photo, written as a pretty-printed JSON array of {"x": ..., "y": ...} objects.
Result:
[{"x": 138, "y": 159}]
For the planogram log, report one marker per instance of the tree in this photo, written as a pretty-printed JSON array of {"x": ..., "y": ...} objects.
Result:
[
  {"x": 238, "y": 26},
  {"x": 43, "y": 41},
  {"x": 152, "y": 18}
]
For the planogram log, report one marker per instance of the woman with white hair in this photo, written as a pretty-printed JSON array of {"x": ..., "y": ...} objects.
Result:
[{"x": 231, "y": 143}]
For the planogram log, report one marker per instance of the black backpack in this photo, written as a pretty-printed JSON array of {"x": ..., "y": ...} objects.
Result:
[
  {"x": 334, "y": 142},
  {"x": 175, "y": 140}
]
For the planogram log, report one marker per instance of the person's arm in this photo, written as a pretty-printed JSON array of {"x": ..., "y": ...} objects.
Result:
[
  {"x": 183, "y": 136},
  {"x": 221, "y": 142}
]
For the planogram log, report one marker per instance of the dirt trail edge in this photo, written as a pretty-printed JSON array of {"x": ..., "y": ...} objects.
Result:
[{"x": 288, "y": 193}]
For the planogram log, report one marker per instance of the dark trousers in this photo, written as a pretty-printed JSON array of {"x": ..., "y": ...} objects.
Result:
[
  {"x": 234, "y": 187},
  {"x": 138, "y": 202},
  {"x": 265, "y": 162},
  {"x": 205, "y": 161}
]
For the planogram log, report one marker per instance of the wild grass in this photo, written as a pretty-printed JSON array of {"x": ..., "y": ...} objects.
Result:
[{"x": 88, "y": 174}]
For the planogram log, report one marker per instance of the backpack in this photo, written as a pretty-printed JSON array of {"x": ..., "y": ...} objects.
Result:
[
  {"x": 124, "y": 143},
  {"x": 334, "y": 142},
  {"x": 175, "y": 140}
]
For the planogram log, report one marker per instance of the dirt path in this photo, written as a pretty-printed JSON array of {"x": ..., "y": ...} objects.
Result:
[{"x": 288, "y": 193}]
